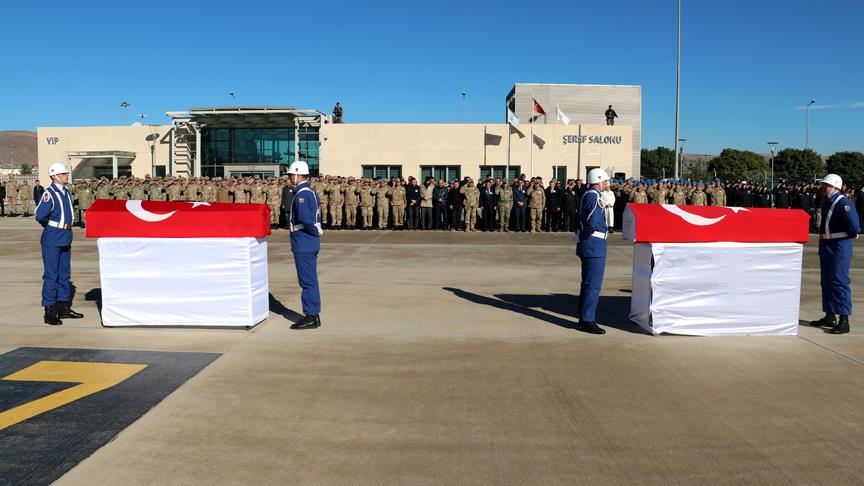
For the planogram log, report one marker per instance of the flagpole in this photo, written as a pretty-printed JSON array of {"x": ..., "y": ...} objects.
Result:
[
  {"x": 531, "y": 150},
  {"x": 507, "y": 110}
]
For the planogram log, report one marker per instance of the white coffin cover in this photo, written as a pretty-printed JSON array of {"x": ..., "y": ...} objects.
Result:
[
  {"x": 717, "y": 289},
  {"x": 183, "y": 281}
]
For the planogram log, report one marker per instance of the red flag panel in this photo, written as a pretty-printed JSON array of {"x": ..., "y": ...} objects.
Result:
[
  {"x": 538, "y": 108},
  {"x": 668, "y": 223},
  {"x": 159, "y": 219}
]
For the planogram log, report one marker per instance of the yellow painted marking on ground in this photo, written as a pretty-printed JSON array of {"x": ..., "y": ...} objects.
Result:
[{"x": 93, "y": 378}]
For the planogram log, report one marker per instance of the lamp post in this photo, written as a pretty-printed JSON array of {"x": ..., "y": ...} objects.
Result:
[
  {"x": 681, "y": 158},
  {"x": 123, "y": 106},
  {"x": 807, "y": 128},
  {"x": 678, "y": 90},
  {"x": 12, "y": 148},
  {"x": 464, "y": 94},
  {"x": 233, "y": 95},
  {"x": 772, "y": 146}
]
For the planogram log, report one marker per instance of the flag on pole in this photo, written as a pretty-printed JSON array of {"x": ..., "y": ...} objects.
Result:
[
  {"x": 539, "y": 109},
  {"x": 562, "y": 117},
  {"x": 511, "y": 117}
]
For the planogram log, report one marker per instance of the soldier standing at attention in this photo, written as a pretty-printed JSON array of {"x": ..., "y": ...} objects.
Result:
[
  {"x": 25, "y": 195},
  {"x": 838, "y": 226},
  {"x": 591, "y": 249},
  {"x": 12, "y": 195},
  {"x": 85, "y": 200},
  {"x": 256, "y": 192},
  {"x": 698, "y": 197},
  {"x": 335, "y": 201},
  {"x": 505, "y": 204},
  {"x": 381, "y": 193},
  {"x": 274, "y": 200},
  {"x": 225, "y": 193},
  {"x": 367, "y": 203},
  {"x": 304, "y": 222},
  {"x": 320, "y": 189},
  {"x": 397, "y": 201},
  {"x": 55, "y": 215},
  {"x": 610, "y": 116},
  {"x": 350, "y": 197},
  {"x": 472, "y": 201},
  {"x": 536, "y": 203},
  {"x": 137, "y": 192},
  {"x": 679, "y": 198}
]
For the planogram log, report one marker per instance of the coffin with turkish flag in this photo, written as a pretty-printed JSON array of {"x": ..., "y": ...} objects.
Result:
[
  {"x": 716, "y": 271},
  {"x": 181, "y": 263}
]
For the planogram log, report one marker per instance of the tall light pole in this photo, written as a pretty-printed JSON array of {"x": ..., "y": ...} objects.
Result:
[
  {"x": 233, "y": 96},
  {"x": 773, "y": 147},
  {"x": 807, "y": 128},
  {"x": 123, "y": 106},
  {"x": 464, "y": 93},
  {"x": 678, "y": 91},
  {"x": 12, "y": 148},
  {"x": 681, "y": 141}
]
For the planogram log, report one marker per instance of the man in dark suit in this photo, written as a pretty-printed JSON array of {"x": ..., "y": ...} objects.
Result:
[
  {"x": 285, "y": 206},
  {"x": 487, "y": 202}
]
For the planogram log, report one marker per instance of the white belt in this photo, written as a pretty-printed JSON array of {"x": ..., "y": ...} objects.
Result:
[
  {"x": 56, "y": 224},
  {"x": 833, "y": 236},
  {"x": 599, "y": 234}
]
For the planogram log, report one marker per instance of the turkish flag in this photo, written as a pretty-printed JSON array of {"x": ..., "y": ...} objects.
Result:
[
  {"x": 108, "y": 218},
  {"x": 668, "y": 223},
  {"x": 538, "y": 108}
]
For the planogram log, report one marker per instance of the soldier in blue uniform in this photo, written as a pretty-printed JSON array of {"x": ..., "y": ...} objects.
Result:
[
  {"x": 304, "y": 222},
  {"x": 591, "y": 233},
  {"x": 839, "y": 226},
  {"x": 54, "y": 213}
]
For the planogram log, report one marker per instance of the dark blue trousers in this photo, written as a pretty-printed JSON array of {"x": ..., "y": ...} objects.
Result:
[
  {"x": 835, "y": 258},
  {"x": 307, "y": 275},
  {"x": 56, "y": 275},
  {"x": 589, "y": 292}
]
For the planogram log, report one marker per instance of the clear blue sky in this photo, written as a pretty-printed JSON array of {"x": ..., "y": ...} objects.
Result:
[{"x": 746, "y": 65}]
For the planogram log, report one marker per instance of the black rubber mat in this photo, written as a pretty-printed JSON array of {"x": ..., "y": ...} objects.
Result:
[{"x": 41, "y": 448}]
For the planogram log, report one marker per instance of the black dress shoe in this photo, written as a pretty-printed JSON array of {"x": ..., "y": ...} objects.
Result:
[
  {"x": 64, "y": 311},
  {"x": 828, "y": 321},
  {"x": 307, "y": 322},
  {"x": 51, "y": 317},
  {"x": 842, "y": 327},
  {"x": 590, "y": 327}
]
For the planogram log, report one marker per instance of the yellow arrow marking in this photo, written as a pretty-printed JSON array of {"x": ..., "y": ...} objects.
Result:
[{"x": 93, "y": 378}]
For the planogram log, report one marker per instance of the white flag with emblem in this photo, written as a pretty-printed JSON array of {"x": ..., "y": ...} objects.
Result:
[
  {"x": 562, "y": 117},
  {"x": 512, "y": 118}
]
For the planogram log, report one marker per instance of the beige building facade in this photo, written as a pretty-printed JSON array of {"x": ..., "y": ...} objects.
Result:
[{"x": 265, "y": 140}]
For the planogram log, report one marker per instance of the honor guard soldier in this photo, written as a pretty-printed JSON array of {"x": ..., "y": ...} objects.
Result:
[
  {"x": 838, "y": 227},
  {"x": 304, "y": 222},
  {"x": 591, "y": 249},
  {"x": 55, "y": 215}
]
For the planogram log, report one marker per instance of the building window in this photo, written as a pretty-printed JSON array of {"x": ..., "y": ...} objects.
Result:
[
  {"x": 159, "y": 171},
  {"x": 309, "y": 148},
  {"x": 383, "y": 171},
  {"x": 221, "y": 146},
  {"x": 498, "y": 171},
  {"x": 446, "y": 172},
  {"x": 559, "y": 172}
]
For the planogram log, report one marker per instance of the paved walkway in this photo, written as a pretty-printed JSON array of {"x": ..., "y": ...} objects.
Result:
[{"x": 449, "y": 359}]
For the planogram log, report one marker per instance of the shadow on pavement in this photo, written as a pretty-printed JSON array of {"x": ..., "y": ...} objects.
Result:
[
  {"x": 612, "y": 311},
  {"x": 277, "y": 307}
]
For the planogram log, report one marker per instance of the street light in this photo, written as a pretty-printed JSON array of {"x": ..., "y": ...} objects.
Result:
[
  {"x": 681, "y": 140},
  {"x": 678, "y": 91},
  {"x": 464, "y": 93},
  {"x": 772, "y": 146},
  {"x": 232, "y": 95},
  {"x": 807, "y": 129},
  {"x": 124, "y": 105},
  {"x": 12, "y": 148}
]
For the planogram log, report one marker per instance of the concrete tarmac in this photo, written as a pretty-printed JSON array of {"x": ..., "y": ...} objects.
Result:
[{"x": 450, "y": 358}]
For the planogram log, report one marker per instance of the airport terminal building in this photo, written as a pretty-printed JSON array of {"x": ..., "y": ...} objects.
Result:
[{"x": 264, "y": 140}]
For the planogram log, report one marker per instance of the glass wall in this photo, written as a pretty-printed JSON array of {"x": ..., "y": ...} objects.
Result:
[{"x": 224, "y": 146}]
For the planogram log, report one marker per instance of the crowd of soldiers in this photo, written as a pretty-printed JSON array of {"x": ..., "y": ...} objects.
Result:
[{"x": 525, "y": 205}]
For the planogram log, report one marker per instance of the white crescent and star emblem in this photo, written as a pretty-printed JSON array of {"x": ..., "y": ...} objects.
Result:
[
  {"x": 135, "y": 207},
  {"x": 695, "y": 219},
  {"x": 46, "y": 197}
]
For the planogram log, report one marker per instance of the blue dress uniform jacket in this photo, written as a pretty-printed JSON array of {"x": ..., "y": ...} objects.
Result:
[
  {"x": 54, "y": 213},
  {"x": 591, "y": 230},
  {"x": 840, "y": 225},
  {"x": 305, "y": 224},
  {"x": 591, "y": 247}
]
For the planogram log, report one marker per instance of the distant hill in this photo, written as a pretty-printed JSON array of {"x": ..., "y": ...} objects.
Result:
[{"x": 25, "y": 148}]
